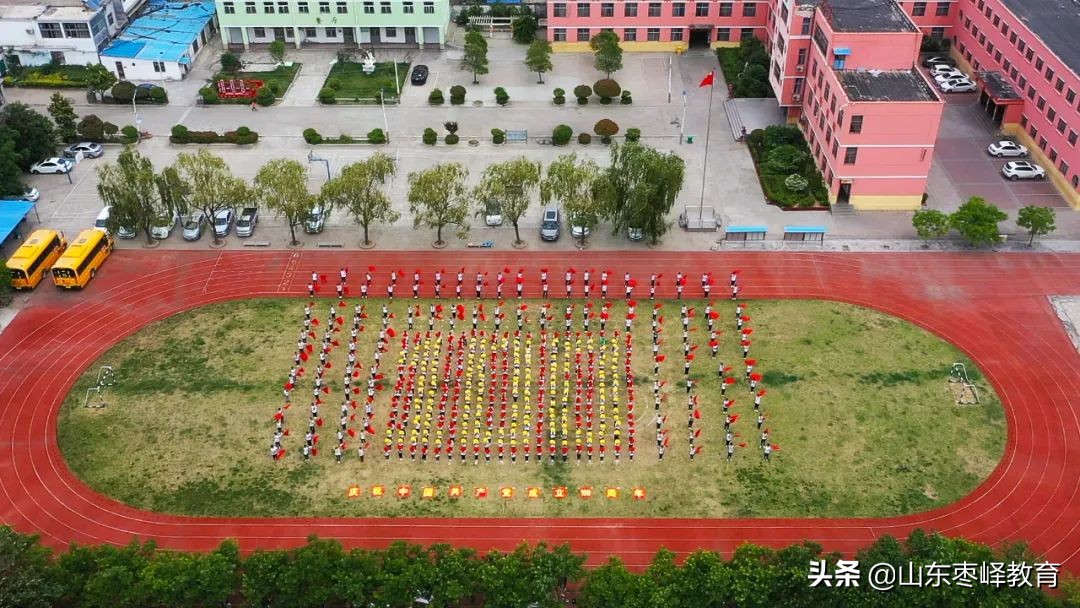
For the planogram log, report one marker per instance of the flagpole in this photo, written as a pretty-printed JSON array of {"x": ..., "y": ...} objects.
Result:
[{"x": 708, "y": 133}]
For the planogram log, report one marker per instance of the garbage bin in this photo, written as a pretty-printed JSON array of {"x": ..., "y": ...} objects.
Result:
[{"x": 689, "y": 139}]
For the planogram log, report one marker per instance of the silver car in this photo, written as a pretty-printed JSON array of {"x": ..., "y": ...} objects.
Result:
[
  {"x": 1007, "y": 148},
  {"x": 193, "y": 227},
  {"x": 89, "y": 149},
  {"x": 316, "y": 221},
  {"x": 549, "y": 225}
]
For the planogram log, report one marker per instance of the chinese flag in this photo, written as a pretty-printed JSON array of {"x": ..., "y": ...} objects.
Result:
[{"x": 707, "y": 81}]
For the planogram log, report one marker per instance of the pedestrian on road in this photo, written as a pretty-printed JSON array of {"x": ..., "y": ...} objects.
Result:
[{"x": 253, "y": 108}]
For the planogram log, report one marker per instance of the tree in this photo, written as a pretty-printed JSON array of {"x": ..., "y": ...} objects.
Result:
[
  {"x": 607, "y": 52},
  {"x": 230, "y": 62},
  {"x": 438, "y": 198},
  {"x": 27, "y": 578},
  {"x": 173, "y": 191},
  {"x": 475, "y": 59},
  {"x": 538, "y": 58},
  {"x": 524, "y": 26},
  {"x": 509, "y": 184},
  {"x": 10, "y": 172},
  {"x": 360, "y": 190},
  {"x": 977, "y": 221},
  {"x": 753, "y": 81},
  {"x": 130, "y": 188},
  {"x": 1037, "y": 220},
  {"x": 63, "y": 115},
  {"x": 569, "y": 182},
  {"x": 98, "y": 79},
  {"x": 32, "y": 132},
  {"x": 931, "y": 224},
  {"x": 639, "y": 187},
  {"x": 213, "y": 186},
  {"x": 786, "y": 159},
  {"x": 277, "y": 51},
  {"x": 281, "y": 186}
]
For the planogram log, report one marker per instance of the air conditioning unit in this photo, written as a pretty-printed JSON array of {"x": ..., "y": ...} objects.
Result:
[
  {"x": 796, "y": 97},
  {"x": 800, "y": 68}
]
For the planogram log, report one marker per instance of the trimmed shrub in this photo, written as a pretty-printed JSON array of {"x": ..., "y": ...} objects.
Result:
[
  {"x": 327, "y": 95},
  {"x": 457, "y": 95},
  {"x": 430, "y": 136},
  {"x": 785, "y": 159},
  {"x": 376, "y": 136},
  {"x": 605, "y": 127},
  {"x": 109, "y": 128},
  {"x": 158, "y": 95},
  {"x": 265, "y": 97},
  {"x": 584, "y": 138},
  {"x": 333, "y": 83},
  {"x": 230, "y": 62},
  {"x": 179, "y": 132},
  {"x": 241, "y": 136},
  {"x": 312, "y": 136},
  {"x": 607, "y": 88},
  {"x": 498, "y": 136},
  {"x": 123, "y": 90},
  {"x": 275, "y": 87},
  {"x": 561, "y": 135},
  {"x": 501, "y": 96},
  {"x": 559, "y": 93},
  {"x": 560, "y": 100},
  {"x": 435, "y": 98},
  {"x": 796, "y": 183},
  {"x": 142, "y": 94},
  {"x": 633, "y": 134},
  {"x": 130, "y": 134},
  {"x": 582, "y": 92},
  {"x": 209, "y": 95},
  {"x": 91, "y": 128},
  {"x": 451, "y": 139},
  {"x": 626, "y": 99},
  {"x": 451, "y": 126}
]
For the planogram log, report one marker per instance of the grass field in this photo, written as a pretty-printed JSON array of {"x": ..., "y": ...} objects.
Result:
[
  {"x": 351, "y": 83},
  {"x": 282, "y": 76},
  {"x": 858, "y": 402}
]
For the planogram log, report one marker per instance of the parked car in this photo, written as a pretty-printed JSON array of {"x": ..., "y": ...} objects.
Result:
[
  {"x": 937, "y": 60},
  {"x": 1007, "y": 148},
  {"x": 223, "y": 220},
  {"x": 635, "y": 234},
  {"x": 31, "y": 195},
  {"x": 579, "y": 230},
  {"x": 101, "y": 222},
  {"x": 316, "y": 221},
  {"x": 127, "y": 232},
  {"x": 1022, "y": 169},
  {"x": 245, "y": 224},
  {"x": 419, "y": 74},
  {"x": 549, "y": 225},
  {"x": 193, "y": 226},
  {"x": 53, "y": 165},
  {"x": 164, "y": 225},
  {"x": 958, "y": 86},
  {"x": 943, "y": 68},
  {"x": 493, "y": 214},
  {"x": 941, "y": 77},
  {"x": 88, "y": 148}
]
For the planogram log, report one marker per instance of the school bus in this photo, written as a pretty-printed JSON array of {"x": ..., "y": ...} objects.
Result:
[
  {"x": 80, "y": 262},
  {"x": 34, "y": 257}
]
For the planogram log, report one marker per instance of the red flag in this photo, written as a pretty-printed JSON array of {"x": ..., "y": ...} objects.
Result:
[
  {"x": 390, "y": 332},
  {"x": 660, "y": 358},
  {"x": 318, "y": 422},
  {"x": 697, "y": 413}
]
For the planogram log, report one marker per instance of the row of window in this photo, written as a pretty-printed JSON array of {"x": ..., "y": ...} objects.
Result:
[
  {"x": 341, "y": 8},
  {"x": 678, "y": 9},
  {"x": 652, "y": 34},
  {"x": 285, "y": 33},
  {"x": 64, "y": 30},
  {"x": 918, "y": 9}
]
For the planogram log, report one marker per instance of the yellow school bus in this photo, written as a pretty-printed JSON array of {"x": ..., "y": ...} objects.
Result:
[
  {"x": 33, "y": 258},
  {"x": 80, "y": 262}
]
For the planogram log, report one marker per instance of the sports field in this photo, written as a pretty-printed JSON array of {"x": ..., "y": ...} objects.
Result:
[{"x": 857, "y": 402}]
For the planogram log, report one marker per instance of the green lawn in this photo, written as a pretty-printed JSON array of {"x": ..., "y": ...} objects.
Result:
[
  {"x": 281, "y": 76},
  {"x": 351, "y": 83},
  {"x": 59, "y": 76},
  {"x": 858, "y": 402}
]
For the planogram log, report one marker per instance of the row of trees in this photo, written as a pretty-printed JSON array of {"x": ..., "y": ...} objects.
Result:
[
  {"x": 976, "y": 221},
  {"x": 607, "y": 55},
  {"x": 322, "y": 573},
  {"x": 26, "y": 137}
]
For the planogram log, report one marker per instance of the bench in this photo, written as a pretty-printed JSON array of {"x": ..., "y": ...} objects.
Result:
[
  {"x": 745, "y": 233},
  {"x": 256, "y": 243},
  {"x": 517, "y": 136},
  {"x": 805, "y": 234},
  {"x": 331, "y": 245}
]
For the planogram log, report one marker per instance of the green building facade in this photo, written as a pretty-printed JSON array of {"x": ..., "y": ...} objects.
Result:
[{"x": 376, "y": 23}]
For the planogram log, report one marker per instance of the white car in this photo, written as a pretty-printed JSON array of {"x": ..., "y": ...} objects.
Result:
[
  {"x": 31, "y": 195},
  {"x": 88, "y": 148},
  {"x": 53, "y": 165},
  {"x": 1007, "y": 148},
  {"x": 958, "y": 86},
  {"x": 163, "y": 226},
  {"x": 954, "y": 75},
  {"x": 944, "y": 69},
  {"x": 493, "y": 215},
  {"x": 1022, "y": 169},
  {"x": 579, "y": 231}
]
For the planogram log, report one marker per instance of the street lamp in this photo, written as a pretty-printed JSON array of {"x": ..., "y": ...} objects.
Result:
[
  {"x": 382, "y": 104},
  {"x": 318, "y": 159}
]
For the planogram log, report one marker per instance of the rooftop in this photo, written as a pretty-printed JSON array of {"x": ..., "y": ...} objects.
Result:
[
  {"x": 999, "y": 88},
  {"x": 888, "y": 85},
  {"x": 46, "y": 9},
  {"x": 867, "y": 16},
  {"x": 1056, "y": 22},
  {"x": 163, "y": 32}
]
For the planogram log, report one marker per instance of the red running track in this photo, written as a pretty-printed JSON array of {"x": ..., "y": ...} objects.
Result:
[{"x": 993, "y": 306}]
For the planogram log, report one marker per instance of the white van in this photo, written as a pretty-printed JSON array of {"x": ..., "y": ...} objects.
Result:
[{"x": 102, "y": 221}]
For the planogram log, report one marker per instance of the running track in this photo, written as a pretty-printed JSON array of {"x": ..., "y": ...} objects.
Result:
[{"x": 993, "y": 306}]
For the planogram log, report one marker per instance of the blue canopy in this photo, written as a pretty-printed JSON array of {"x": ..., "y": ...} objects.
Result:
[{"x": 11, "y": 214}]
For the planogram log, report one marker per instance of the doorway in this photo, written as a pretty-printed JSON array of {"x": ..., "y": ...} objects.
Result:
[
  {"x": 120, "y": 70},
  {"x": 349, "y": 35},
  {"x": 843, "y": 197},
  {"x": 699, "y": 37}
]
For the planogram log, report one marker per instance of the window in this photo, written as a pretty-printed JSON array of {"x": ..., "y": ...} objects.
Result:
[
  {"x": 560, "y": 34},
  {"x": 1072, "y": 138},
  {"x": 630, "y": 9},
  {"x": 310, "y": 32},
  {"x": 583, "y": 34},
  {"x": 629, "y": 34},
  {"x": 249, "y": 8},
  {"x": 1039, "y": 64},
  {"x": 302, "y": 8},
  {"x": 654, "y": 9},
  {"x": 1033, "y": 131},
  {"x": 1064, "y": 168},
  {"x": 942, "y": 9},
  {"x": 835, "y": 148},
  {"x": 937, "y": 33},
  {"x": 725, "y": 9},
  {"x": 268, "y": 8},
  {"x": 1042, "y": 143},
  {"x": 1051, "y": 114},
  {"x": 652, "y": 34},
  {"x": 369, "y": 8},
  {"x": 1022, "y": 82},
  {"x": 746, "y": 34},
  {"x": 799, "y": 84},
  {"x": 1023, "y": 121},
  {"x": 1059, "y": 85},
  {"x": 1053, "y": 153},
  {"x": 919, "y": 9},
  {"x": 230, "y": 8},
  {"x": 331, "y": 32},
  {"x": 407, "y": 8},
  {"x": 805, "y": 29},
  {"x": 429, "y": 8},
  {"x": 856, "y": 124},
  {"x": 1049, "y": 75},
  {"x": 850, "y": 155},
  {"x": 1031, "y": 92},
  {"x": 50, "y": 30},
  {"x": 260, "y": 32},
  {"x": 159, "y": 66},
  {"x": 1061, "y": 126},
  {"x": 342, "y": 8},
  {"x": 784, "y": 13},
  {"x": 283, "y": 8},
  {"x": 678, "y": 9},
  {"x": 1012, "y": 38},
  {"x": 677, "y": 34},
  {"x": 324, "y": 7},
  {"x": 582, "y": 9},
  {"x": 560, "y": 9},
  {"x": 749, "y": 9},
  {"x": 802, "y": 57},
  {"x": 1070, "y": 96},
  {"x": 701, "y": 9},
  {"x": 1041, "y": 104},
  {"x": 384, "y": 8},
  {"x": 390, "y": 32},
  {"x": 723, "y": 33},
  {"x": 607, "y": 9}
]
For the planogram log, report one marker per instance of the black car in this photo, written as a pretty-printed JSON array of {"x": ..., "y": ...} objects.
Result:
[{"x": 419, "y": 74}]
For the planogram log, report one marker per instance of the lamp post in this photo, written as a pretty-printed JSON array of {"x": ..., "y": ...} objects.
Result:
[
  {"x": 382, "y": 105},
  {"x": 318, "y": 159}
]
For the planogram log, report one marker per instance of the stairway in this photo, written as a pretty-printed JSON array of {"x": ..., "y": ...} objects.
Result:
[
  {"x": 839, "y": 209},
  {"x": 733, "y": 119}
]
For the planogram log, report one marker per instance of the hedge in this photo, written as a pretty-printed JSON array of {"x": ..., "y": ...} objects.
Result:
[
  {"x": 560, "y": 135},
  {"x": 430, "y": 136},
  {"x": 774, "y": 176},
  {"x": 457, "y": 95},
  {"x": 375, "y": 136},
  {"x": 241, "y": 136}
]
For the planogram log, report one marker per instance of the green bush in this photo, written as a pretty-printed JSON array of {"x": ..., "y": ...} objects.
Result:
[
  {"x": 457, "y": 95},
  {"x": 626, "y": 99},
  {"x": 241, "y": 136},
  {"x": 560, "y": 100},
  {"x": 559, "y": 93},
  {"x": 498, "y": 136},
  {"x": 123, "y": 90},
  {"x": 276, "y": 88},
  {"x": 785, "y": 159},
  {"x": 91, "y": 128},
  {"x": 179, "y": 132},
  {"x": 796, "y": 183},
  {"x": 312, "y": 136},
  {"x": 376, "y": 136},
  {"x": 130, "y": 134},
  {"x": 561, "y": 135},
  {"x": 501, "y": 96},
  {"x": 327, "y": 96},
  {"x": 430, "y": 136},
  {"x": 606, "y": 87},
  {"x": 209, "y": 95},
  {"x": 584, "y": 138},
  {"x": 142, "y": 94},
  {"x": 158, "y": 95},
  {"x": 264, "y": 96},
  {"x": 451, "y": 139},
  {"x": 582, "y": 90},
  {"x": 435, "y": 98},
  {"x": 451, "y": 126},
  {"x": 230, "y": 62},
  {"x": 633, "y": 134},
  {"x": 109, "y": 128}
]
